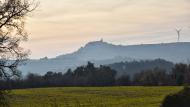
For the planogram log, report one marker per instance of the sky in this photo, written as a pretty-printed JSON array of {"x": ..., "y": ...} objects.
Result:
[{"x": 62, "y": 26}]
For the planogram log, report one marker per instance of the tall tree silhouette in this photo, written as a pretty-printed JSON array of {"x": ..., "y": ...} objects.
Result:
[{"x": 12, "y": 32}]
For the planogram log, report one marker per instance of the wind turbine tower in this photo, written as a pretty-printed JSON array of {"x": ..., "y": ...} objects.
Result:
[{"x": 178, "y": 34}]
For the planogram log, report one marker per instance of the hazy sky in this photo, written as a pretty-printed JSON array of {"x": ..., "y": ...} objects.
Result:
[{"x": 63, "y": 26}]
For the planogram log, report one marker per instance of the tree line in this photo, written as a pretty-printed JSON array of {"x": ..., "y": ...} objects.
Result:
[
  {"x": 90, "y": 75},
  {"x": 132, "y": 67}
]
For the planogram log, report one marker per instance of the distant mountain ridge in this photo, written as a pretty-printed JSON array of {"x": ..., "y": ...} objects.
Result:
[{"x": 101, "y": 52}]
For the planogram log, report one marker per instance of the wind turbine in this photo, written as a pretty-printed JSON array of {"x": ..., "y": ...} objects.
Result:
[{"x": 178, "y": 33}]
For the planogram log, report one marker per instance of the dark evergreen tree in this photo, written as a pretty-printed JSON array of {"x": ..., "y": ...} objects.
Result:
[{"x": 178, "y": 73}]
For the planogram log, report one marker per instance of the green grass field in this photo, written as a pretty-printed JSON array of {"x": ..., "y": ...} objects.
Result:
[{"x": 91, "y": 96}]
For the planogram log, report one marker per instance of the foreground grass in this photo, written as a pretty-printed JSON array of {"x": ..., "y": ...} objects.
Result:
[{"x": 91, "y": 96}]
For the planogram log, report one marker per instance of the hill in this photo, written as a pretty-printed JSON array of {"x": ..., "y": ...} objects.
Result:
[{"x": 101, "y": 52}]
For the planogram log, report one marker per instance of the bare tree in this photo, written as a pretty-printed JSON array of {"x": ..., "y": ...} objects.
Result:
[{"x": 12, "y": 31}]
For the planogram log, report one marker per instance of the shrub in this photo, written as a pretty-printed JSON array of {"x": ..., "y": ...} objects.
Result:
[{"x": 180, "y": 99}]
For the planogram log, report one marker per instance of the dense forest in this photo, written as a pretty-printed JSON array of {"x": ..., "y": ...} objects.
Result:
[
  {"x": 90, "y": 75},
  {"x": 132, "y": 67}
]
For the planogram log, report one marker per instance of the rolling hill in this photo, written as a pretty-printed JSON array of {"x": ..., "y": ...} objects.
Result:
[{"x": 101, "y": 52}]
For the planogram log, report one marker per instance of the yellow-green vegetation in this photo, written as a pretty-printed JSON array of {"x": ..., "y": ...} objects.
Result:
[{"x": 91, "y": 96}]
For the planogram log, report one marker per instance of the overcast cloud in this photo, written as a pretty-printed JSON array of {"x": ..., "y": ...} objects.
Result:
[{"x": 63, "y": 26}]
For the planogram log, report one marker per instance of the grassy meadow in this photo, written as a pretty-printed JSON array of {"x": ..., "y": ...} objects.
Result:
[{"x": 91, "y": 96}]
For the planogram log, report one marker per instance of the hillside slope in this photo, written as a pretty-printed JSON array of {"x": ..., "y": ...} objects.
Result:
[{"x": 101, "y": 52}]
